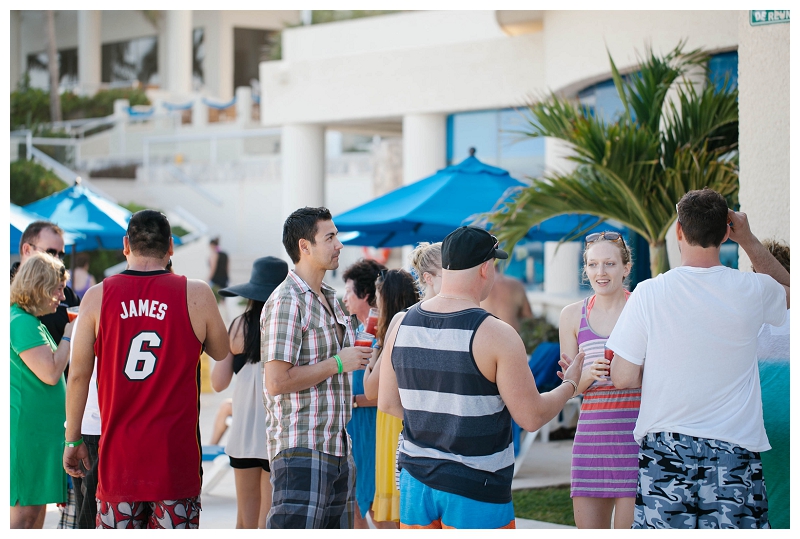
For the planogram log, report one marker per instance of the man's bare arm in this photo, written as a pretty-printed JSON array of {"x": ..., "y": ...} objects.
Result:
[
  {"x": 514, "y": 379},
  {"x": 282, "y": 377},
  {"x": 388, "y": 393},
  {"x": 206, "y": 320},
  {"x": 760, "y": 257},
  {"x": 624, "y": 374}
]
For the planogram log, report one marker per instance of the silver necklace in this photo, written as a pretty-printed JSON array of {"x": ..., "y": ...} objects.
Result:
[{"x": 454, "y": 297}]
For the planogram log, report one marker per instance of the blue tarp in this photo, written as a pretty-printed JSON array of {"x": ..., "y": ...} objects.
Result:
[
  {"x": 77, "y": 208},
  {"x": 428, "y": 210},
  {"x": 20, "y": 219}
]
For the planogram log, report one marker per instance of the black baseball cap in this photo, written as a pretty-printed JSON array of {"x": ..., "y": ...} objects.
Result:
[{"x": 469, "y": 246}]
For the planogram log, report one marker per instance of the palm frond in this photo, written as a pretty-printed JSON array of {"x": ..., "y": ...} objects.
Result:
[{"x": 635, "y": 169}]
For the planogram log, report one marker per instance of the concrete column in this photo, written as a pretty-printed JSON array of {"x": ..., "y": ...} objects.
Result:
[
  {"x": 302, "y": 166},
  {"x": 561, "y": 269},
  {"x": 16, "y": 46},
  {"x": 424, "y": 145},
  {"x": 764, "y": 131},
  {"x": 244, "y": 104},
  {"x": 199, "y": 112},
  {"x": 179, "y": 51},
  {"x": 89, "y": 48}
]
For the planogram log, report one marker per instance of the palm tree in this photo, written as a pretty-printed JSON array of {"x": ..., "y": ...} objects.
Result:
[
  {"x": 52, "y": 64},
  {"x": 634, "y": 169}
]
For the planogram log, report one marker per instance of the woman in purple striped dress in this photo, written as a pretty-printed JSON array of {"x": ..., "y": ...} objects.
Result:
[{"x": 604, "y": 453}]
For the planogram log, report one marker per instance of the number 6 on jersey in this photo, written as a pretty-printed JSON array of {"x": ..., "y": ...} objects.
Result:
[{"x": 141, "y": 363}]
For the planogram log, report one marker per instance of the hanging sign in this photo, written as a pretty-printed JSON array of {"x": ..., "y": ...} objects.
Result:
[{"x": 768, "y": 16}]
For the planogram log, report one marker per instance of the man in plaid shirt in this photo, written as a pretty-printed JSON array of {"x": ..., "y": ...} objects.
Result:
[{"x": 307, "y": 352}]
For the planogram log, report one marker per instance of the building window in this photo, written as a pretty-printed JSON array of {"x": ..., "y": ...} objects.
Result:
[
  {"x": 722, "y": 66},
  {"x": 250, "y": 47},
  {"x": 67, "y": 69},
  {"x": 498, "y": 140},
  {"x": 128, "y": 61}
]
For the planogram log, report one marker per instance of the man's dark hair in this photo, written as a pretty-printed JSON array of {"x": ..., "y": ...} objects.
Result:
[
  {"x": 703, "y": 215},
  {"x": 149, "y": 233},
  {"x": 363, "y": 274},
  {"x": 214, "y": 242},
  {"x": 32, "y": 231},
  {"x": 302, "y": 224}
]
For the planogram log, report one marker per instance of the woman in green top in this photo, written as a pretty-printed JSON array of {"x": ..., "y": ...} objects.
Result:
[{"x": 38, "y": 392}]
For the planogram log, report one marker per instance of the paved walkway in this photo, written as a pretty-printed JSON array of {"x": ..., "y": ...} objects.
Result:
[{"x": 547, "y": 464}]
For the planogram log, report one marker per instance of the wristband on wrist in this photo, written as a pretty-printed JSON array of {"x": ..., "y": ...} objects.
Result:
[
  {"x": 574, "y": 386},
  {"x": 338, "y": 363},
  {"x": 65, "y": 338},
  {"x": 76, "y": 443}
]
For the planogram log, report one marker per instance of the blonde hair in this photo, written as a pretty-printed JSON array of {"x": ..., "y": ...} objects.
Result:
[
  {"x": 426, "y": 257},
  {"x": 33, "y": 284}
]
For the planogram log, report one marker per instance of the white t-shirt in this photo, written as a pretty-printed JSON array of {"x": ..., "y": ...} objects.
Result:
[
  {"x": 695, "y": 330},
  {"x": 91, "y": 414}
]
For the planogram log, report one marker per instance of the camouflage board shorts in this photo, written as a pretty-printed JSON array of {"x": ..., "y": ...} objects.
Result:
[{"x": 691, "y": 482}]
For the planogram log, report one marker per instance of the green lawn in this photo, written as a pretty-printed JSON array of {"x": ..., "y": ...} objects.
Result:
[{"x": 551, "y": 504}]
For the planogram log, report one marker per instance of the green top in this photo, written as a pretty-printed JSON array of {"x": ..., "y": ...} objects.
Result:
[{"x": 38, "y": 412}]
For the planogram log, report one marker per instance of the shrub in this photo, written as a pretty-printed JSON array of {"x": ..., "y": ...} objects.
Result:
[
  {"x": 535, "y": 331},
  {"x": 30, "y": 182},
  {"x": 31, "y": 106}
]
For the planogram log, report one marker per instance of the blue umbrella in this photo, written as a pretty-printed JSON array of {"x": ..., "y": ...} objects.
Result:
[
  {"x": 428, "y": 210},
  {"x": 102, "y": 221},
  {"x": 20, "y": 219}
]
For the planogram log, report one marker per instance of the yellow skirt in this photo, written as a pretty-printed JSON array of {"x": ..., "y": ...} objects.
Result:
[{"x": 387, "y": 498}]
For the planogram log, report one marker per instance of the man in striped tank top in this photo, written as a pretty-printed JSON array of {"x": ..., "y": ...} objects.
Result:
[{"x": 457, "y": 376}]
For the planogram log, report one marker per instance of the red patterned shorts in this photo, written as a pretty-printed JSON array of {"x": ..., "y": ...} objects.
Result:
[{"x": 169, "y": 514}]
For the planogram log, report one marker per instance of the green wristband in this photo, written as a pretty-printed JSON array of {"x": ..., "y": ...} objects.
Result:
[
  {"x": 338, "y": 363},
  {"x": 76, "y": 443}
]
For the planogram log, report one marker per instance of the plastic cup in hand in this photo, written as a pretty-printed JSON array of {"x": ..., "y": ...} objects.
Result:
[
  {"x": 364, "y": 339},
  {"x": 72, "y": 313},
  {"x": 608, "y": 354},
  {"x": 372, "y": 321}
]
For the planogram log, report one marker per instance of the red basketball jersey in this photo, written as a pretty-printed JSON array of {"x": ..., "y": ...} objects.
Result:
[{"x": 148, "y": 389}]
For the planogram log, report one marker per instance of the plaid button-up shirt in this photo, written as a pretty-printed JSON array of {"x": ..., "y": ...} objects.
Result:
[{"x": 296, "y": 328}]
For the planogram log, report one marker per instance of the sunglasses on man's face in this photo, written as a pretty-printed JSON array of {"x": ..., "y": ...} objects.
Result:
[
  {"x": 490, "y": 254},
  {"x": 608, "y": 235},
  {"x": 52, "y": 252}
]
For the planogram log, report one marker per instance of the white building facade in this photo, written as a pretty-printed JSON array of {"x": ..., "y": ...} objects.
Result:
[
  {"x": 425, "y": 84},
  {"x": 414, "y": 73}
]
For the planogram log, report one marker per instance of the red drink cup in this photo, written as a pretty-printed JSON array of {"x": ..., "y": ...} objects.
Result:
[
  {"x": 372, "y": 321},
  {"x": 608, "y": 354},
  {"x": 72, "y": 313},
  {"x": 364, "y": 339}
]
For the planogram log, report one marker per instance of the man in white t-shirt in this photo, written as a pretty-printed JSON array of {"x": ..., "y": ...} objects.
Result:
[{"x": 688, "y": 337}]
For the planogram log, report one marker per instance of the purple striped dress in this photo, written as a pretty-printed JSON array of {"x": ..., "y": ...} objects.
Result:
[{"x": 604, "y": 453}]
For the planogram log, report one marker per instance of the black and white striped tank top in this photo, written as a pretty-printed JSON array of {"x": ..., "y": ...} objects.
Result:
[{"x": 456, "y": 427}]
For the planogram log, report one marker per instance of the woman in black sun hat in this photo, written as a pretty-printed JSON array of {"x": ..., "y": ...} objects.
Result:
[{"x": 246, "y": 445}]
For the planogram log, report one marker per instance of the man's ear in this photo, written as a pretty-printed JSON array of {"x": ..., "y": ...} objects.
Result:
[
  {"x": 727, "y": 234},
  {"x": 679, "y": 231},
  {"x": 303, "y": 244},
  {"x": 171, "y": 249},
  {"x": 126, "y": 246}
]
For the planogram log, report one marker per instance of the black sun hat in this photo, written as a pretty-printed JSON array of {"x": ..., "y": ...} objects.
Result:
[
  {"x": 266, "y": 275},
  {"x": 469, "y": 246}
]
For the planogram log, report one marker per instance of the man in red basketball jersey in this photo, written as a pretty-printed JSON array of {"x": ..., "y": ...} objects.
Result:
[{"x": 147, "y": 327}]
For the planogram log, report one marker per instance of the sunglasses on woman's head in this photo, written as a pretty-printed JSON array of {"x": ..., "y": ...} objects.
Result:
[{"x": 608, "y": 235}]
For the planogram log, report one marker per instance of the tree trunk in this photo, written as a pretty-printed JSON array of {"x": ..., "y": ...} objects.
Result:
[
  {"x": 52, "y": 65},
  {"x": 659, "y": 261}
]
